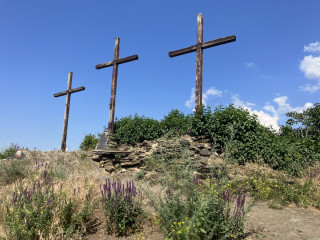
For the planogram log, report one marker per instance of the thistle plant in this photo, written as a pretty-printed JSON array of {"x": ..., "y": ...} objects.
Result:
[{"x": 122, "y": 205}]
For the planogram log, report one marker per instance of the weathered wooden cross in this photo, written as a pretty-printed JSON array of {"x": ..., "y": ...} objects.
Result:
[
  {"x": 116, "y": 61},
  {"x": 199, "y": 48},
  {"x": 66, "y": 113}
]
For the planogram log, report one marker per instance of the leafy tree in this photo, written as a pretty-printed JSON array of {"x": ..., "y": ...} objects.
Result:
[
  {"x": 308, "y": 121},
  {"x": 89, "y": 142}
]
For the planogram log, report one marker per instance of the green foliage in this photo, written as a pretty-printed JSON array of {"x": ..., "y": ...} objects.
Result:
[
  {"x": 83, "y": 156},
  {"x": 89, "y": 142},
  {"x": 200, "y": 121},
  {"x": 308, "y": 121},
  {"x": 176, "y": 123},
  {"x": 140, "y": 174},
  {"x": 288, "y": 153},
  {"x": 136, "y": 129}
]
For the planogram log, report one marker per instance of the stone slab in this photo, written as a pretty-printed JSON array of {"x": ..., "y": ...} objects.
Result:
[{"x": 102, "y": 144}]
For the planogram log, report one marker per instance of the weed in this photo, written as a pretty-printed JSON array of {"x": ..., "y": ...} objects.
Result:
[
  {"x": 140, "y": 174},
  {"x": 83, "y": 156}
]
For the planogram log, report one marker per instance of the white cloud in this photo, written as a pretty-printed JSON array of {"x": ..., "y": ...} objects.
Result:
[
  {"x": 310, "y": 66},
  {"x": 267, "y": 120},
  {"x": 310, "y": 88},
  {"x": 191, "y": 101},
  {"x": 277, "y": 112},
  {"x": 205, "y": 95},
  {"x": 210, "y": 92},
  {"x": 238, "y": 103},
  {"x": 312, "y": 47}
]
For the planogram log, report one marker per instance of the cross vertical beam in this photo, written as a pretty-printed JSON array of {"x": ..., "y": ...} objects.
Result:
[
  {"x": 67, "y": 107},
  {"x": 116, "y": 61},
  {"x": 199, "y": 49},
  {"x": 114, "y": 86},
  {"x": 199, "y": 65}
]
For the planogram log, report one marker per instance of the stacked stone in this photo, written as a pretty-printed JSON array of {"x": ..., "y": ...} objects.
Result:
[{"x": 132, "y": 157}]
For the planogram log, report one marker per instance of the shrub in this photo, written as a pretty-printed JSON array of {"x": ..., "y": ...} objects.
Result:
[
  {"x": 200, "y": 121},
  {"x": 176, "y": 123},
  {"x": 136, "y": 129},
  {"x": 89, "y": 142},
  {"x": 308, "y": 121},
  {"x": 122, "y": 206}
]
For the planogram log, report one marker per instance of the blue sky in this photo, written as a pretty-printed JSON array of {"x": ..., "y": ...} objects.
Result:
[{"x": 272, "y": 68}]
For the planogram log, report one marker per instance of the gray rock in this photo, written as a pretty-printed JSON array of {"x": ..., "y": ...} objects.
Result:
[
  {"x": 204, "y": 152},
  {"x": 184, "y": 143}
]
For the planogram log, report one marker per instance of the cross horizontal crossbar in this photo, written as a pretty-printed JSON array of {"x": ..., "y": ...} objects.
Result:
[
  {"x": 204, "y": 45},
  {"x": 119, "y": 61},
  {"x": 69, "y": 91}
]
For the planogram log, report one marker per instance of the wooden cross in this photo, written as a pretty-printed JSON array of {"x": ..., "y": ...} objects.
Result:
[
  {"x": 116, "y": 61},
  {"x": 66, "y": 113},
  {"x": 199, "y": 49}
]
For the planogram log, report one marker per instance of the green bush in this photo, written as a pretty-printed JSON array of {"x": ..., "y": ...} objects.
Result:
[
  {"x": 176, "y": 123},
  {"x": 200, "y": 120},
  {"x": 89, "y": 142},
  {"x": 136, "y": 129}
]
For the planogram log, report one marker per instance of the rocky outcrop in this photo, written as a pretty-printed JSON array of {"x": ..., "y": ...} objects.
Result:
[{"x": 124, "y": 157}]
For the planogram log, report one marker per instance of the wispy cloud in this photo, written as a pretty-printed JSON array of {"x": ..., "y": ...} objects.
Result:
[
  {"x": 205, "y": 95},
  {"x": 191, "y": 101},
  {"x": 210, "y": 92},
  {"x": 250, "y": 65},
  {"x": 312, "y": 47},
  {"x": 310, "y": 66}
]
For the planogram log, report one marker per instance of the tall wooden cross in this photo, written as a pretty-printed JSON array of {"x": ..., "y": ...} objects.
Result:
[
  {"x": 199, "y": 49},
  {"x": 116, "y": 61},
  {"x": 66, "y": 112}
]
